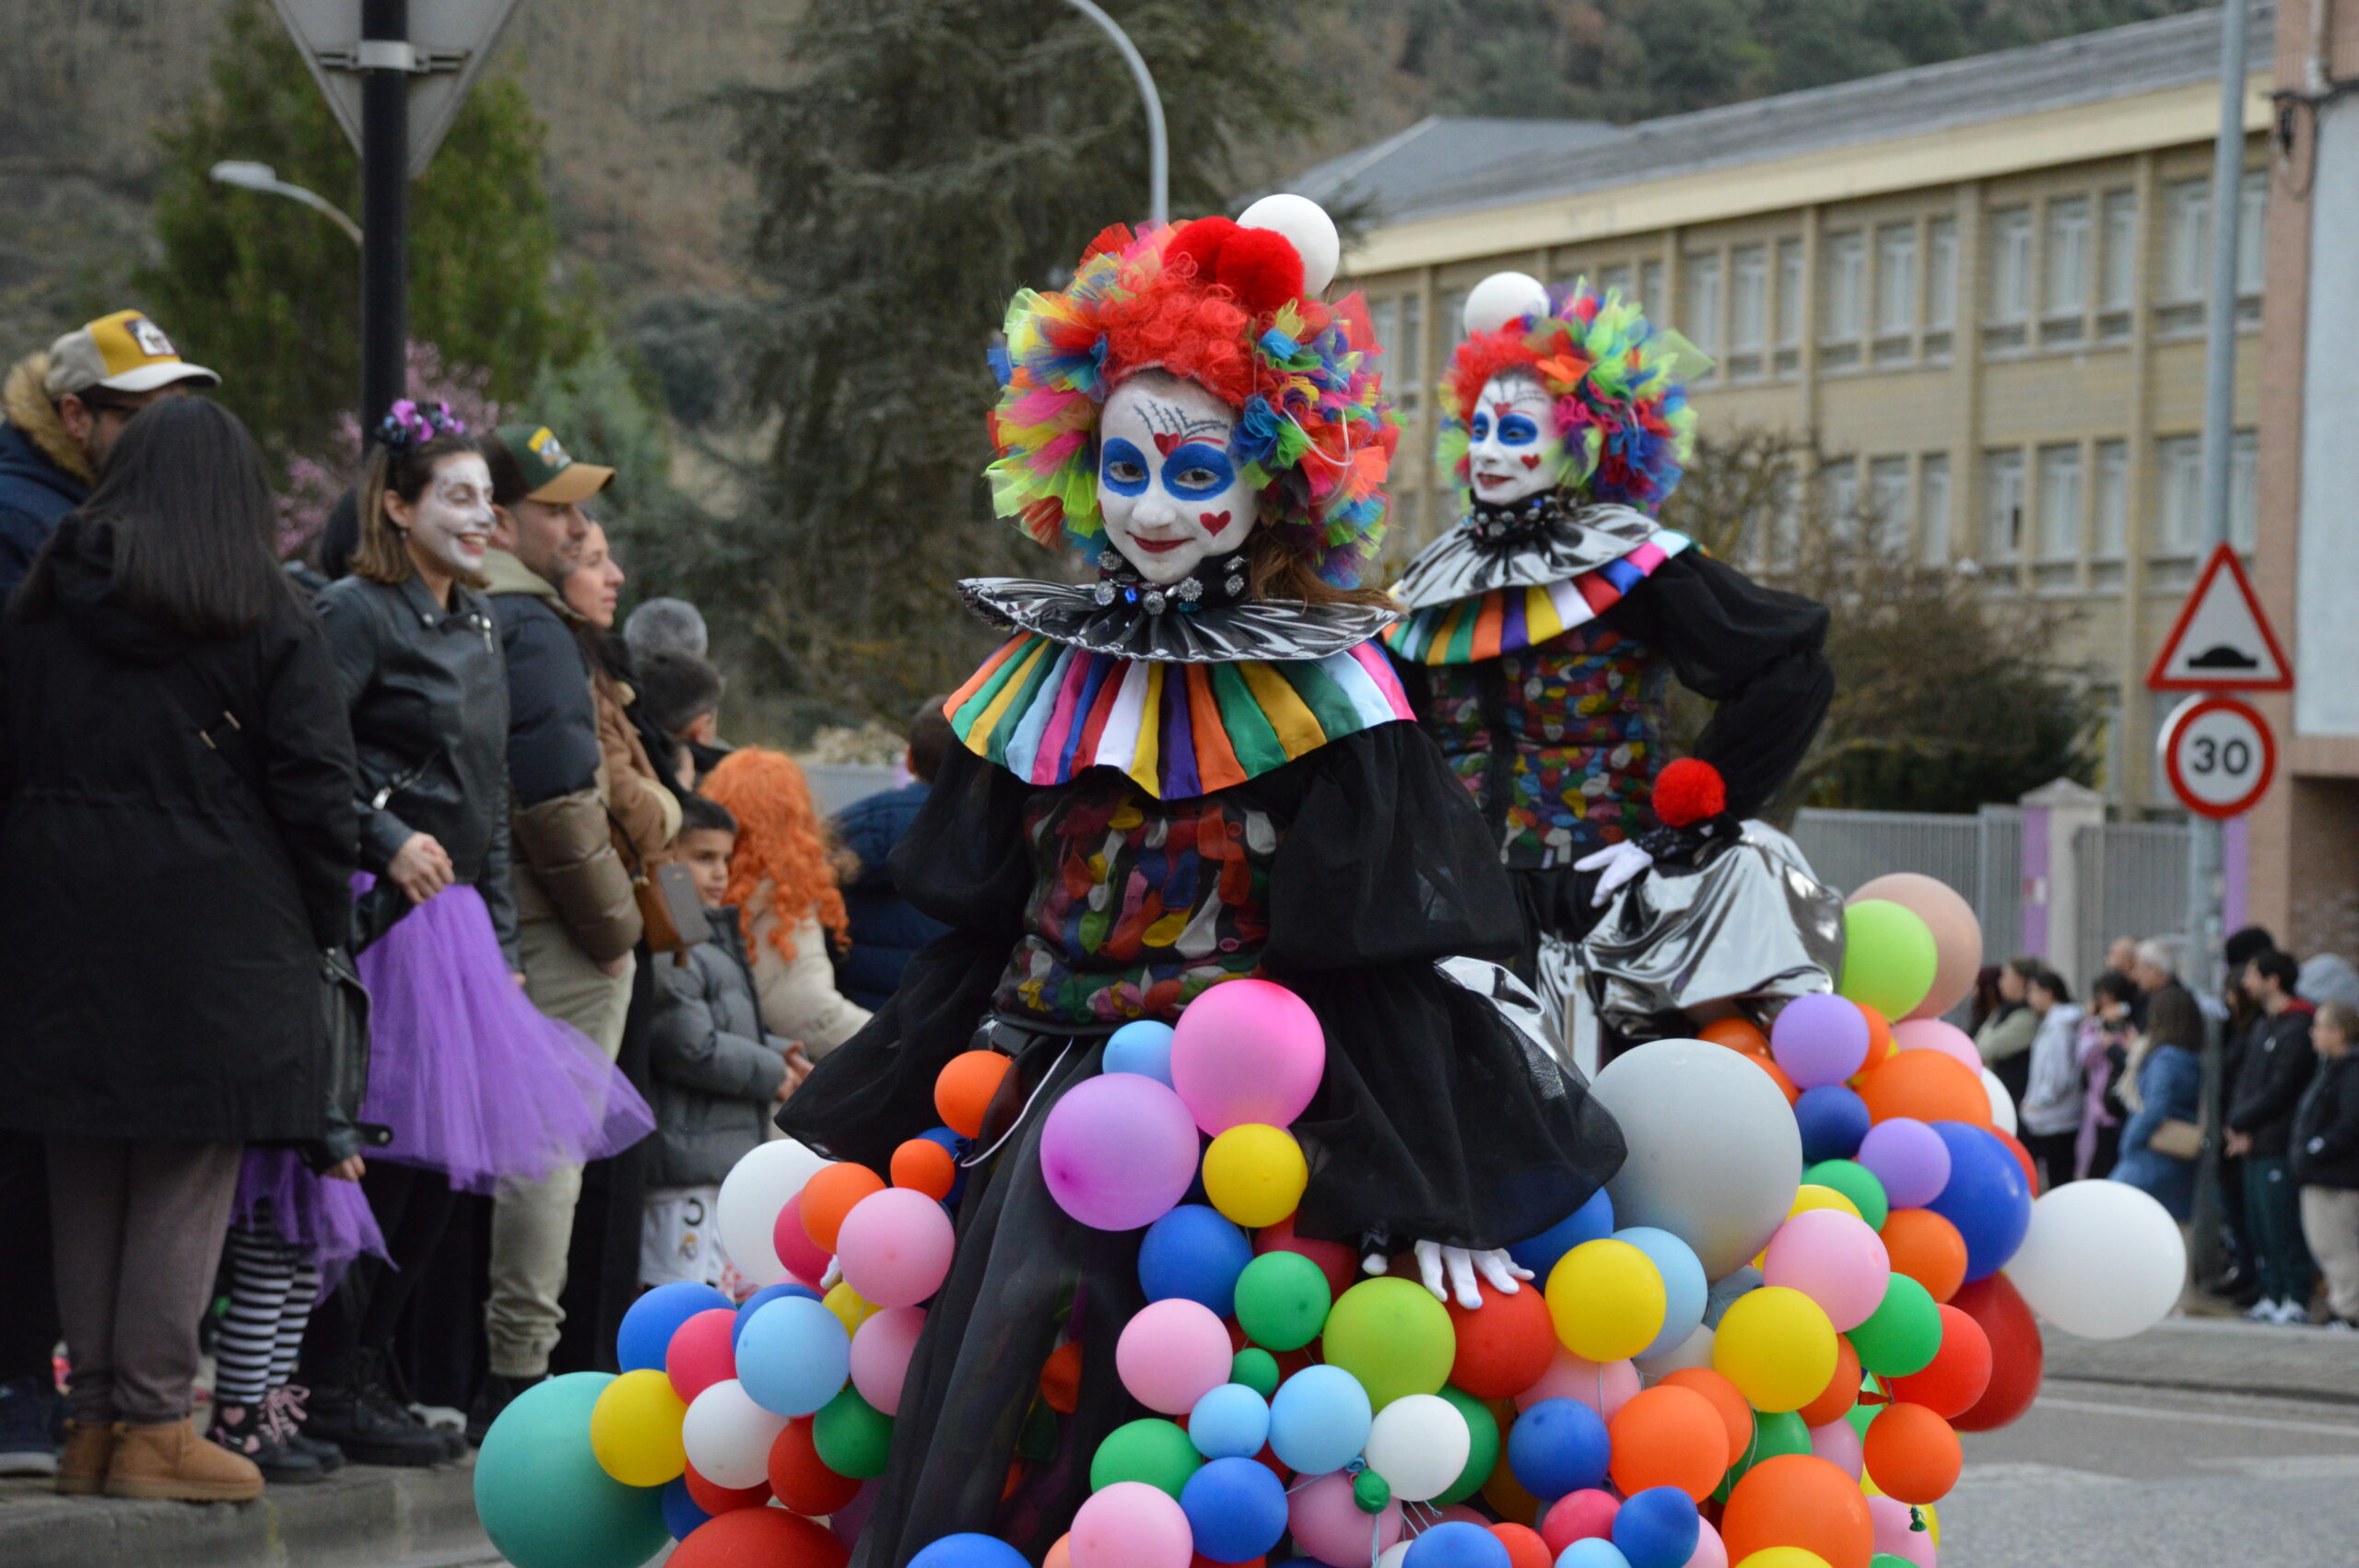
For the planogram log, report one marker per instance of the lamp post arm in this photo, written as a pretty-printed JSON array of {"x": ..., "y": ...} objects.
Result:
[{"x": 1159, "y": 147}]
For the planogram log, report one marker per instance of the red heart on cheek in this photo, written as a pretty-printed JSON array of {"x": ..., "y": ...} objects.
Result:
[
  {"x": 1214, "y": 521},
  {"x": 1532, "y": 460},
  {"x": 1164, "y": 442}
]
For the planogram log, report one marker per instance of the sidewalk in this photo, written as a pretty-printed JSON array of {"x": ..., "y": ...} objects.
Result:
[{"x": 2218, "y": 1355}]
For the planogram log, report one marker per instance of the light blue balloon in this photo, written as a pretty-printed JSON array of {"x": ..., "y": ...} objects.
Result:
[
  {"x": 1683, "y": 1290},
  {"x": 1230, "y": 1423},
  {"x": 1320, "y": 1420},
  {"x": 1593, "y": 1552},
  {"x": 793, "y": 1356},
  {"x": 1144, "y": 1047}
]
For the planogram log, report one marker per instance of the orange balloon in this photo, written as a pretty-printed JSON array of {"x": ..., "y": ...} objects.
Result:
[
  {"x": 1737, "y": 1034},
  {"x": 1912, "y": 1454},
  {"x": 1735, "y": 1414},
  {"x": 1842, "y": 1390},
  {"x": 1061, "y": 1378},
  {"x": 963, "y": 1093},
  {"x": 923, "y": 1165},
  {"x": 1798, "y": 1500},
  {"x": 1879, "y": 1036},
  {"x": 1509, "y": 1500},
  {"x": 1925, "y": 1085},
  {"x": 1926, "y": 1247},
  {"x": 1668, "y": 1437},
  {"x": 1525, "y": 1549},
  {"x": 829, "y": 1195},
  {"x": 1777, "y": 1076},
  {"x": 1060, "y": 1553}
]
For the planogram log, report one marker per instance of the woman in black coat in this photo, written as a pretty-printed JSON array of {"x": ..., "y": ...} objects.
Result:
[{"x": 176, "y": 843}]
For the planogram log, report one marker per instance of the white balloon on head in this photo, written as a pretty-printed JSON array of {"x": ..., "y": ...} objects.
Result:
[
  {"x": 1306, "y": 224},
  {"x": 1501, "y": 297}
]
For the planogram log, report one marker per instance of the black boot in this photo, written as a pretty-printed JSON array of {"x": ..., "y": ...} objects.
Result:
[
  {"x": 252, "y": 1433},
  {"x": 393, "y": 1397},
  {"x": 351, "y": 1408},
  {"x": 287, "y": 1404},
  {"x": 495, "y": 1395}
]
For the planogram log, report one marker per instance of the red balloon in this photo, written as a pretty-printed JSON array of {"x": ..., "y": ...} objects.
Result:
[
  {"x": 701, "y": 1352},
  {"x": 800, "y": 1478},
  {"x": 1578, "y": 1515},
  {"x": 1525, "y": 1547},
  {"x": 1960, "y": 1373},
  {"x": 805, "y": 1259},
  {"x": 724, "y": 1500},
  {"x": 760, "y": 1538},
  {"x": 1504, "y": 1346},
  {"x": 1335, "y": 1260},
  {"x": 2016, "y": 1354}
]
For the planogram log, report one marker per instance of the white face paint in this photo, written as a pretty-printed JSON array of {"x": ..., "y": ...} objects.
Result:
[
  {"x": 1171, "y": 495},
  {"x": 450, "y": 523},
  {"x": 1515, "y": 452}
]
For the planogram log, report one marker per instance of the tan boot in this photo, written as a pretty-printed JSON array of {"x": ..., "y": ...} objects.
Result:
[
  {"x": 172, "y": 1461},
  {"x": 82, "y": 1463}
]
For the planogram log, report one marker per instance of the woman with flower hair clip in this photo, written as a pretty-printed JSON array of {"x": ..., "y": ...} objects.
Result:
[
  {"x": 1195, "y": 769},
  {"x": 1543, "y": 630}
]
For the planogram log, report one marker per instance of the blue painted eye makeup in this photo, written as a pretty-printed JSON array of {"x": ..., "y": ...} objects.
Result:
[
  {"x": 1196, "y": 471},
  {"x": 1123, "y": 469},
  {"x": 1481, "y": 428},
  {"x": 1518, "y": 431}
]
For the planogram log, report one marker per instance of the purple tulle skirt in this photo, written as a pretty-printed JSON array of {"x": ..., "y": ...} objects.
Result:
[
  {"x": 331, "y": 1219},
  {"x": 473, "y": 1080}
]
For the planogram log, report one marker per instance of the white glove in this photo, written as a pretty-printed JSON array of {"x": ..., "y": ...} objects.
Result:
[
  {"x": 1620, "y": 864},
  {"x": 1498, "y": 1271}
]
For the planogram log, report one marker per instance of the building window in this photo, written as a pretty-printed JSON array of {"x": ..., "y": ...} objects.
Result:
[
  {"x": 1615, "y": 279},
  {"x": 2003, "y": 515},
  {"x": 1941, "y": 285},
  {"x": 1651, "y": 294},
  {"x": 1888, "y": 499},
  {"x": 1790, "y": 305},
  {"x": 1748, "y": 308},
  {"x": 2059, "y": 502},
  {"x": 2180, "y": 516},
  {"x": 2009, "y": 307},
  {"x": 2112, "y": 501},
  {"x": 1846, "y": 304},
  {"x": 1407, "y": 374},
  {"x": 2187, "y": 255},
  {"x": 1895, "y": 291},
  {"x": 2065, "y": 266},
  {"x": 1451, "y": 328},
  {"x": 2252, "y": 213},
  {"x": 1840, "y": 481},
  {"x": 2244, "y": 475},
  {"x": 1702, "y": 319},
  {"x": 2117, "y": 270},
  {"x": 1933, "y": 509}
]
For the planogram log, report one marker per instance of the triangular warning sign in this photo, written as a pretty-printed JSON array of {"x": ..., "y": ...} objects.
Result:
[
  {"x": 2222, "y": 641},
  {"x": 450, "y": 41}
]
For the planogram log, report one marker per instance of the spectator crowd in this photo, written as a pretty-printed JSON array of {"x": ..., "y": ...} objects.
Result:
[{"x": 398, "y": 957}]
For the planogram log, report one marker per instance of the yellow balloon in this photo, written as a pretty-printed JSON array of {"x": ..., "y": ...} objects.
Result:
[
  {"x": 1933, "y": 1523},
  {"x": 1608, "y": 1301},
  {"x": 1783, "y": 1557},
  {"x": 849, "y": 1305},
  {"x": 1777, "y": 1346},
  {"x": 635, "y": 1429},
  {"x": 1255, "y": 1173}
]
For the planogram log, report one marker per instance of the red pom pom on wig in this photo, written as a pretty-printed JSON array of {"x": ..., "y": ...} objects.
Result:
[
  {"x": 1688, "y": 791},
  {"x": 1202, "y": 243},
  {"x": 1261, "y": 267}
]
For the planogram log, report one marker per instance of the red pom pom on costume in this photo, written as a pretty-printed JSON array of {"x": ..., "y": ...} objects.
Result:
[
  {"x": 1202, "y": 243},
  {"x": 1689, "y": 790},
  {"x": 1261, "y": 267}
]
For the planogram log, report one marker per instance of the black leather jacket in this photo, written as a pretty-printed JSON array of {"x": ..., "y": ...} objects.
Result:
[{"x": 429, "y": 693}]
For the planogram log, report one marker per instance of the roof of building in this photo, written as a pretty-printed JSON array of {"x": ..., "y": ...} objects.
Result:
[{"x": 1442, "y": 165}]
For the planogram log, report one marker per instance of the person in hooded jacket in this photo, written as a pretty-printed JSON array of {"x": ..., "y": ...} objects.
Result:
[{"x": 172, "y": 725}]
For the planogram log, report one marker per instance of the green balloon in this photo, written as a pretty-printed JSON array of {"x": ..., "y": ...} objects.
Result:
[
  {"x": 1889, "y": 958},
  {"x": 1371, "y": 1492},
  {"x": 1773, "y": 1435},
  {"x": 1903, "y": 1334},
  {"x": 1154, "y": 1451},
  {"x": 1481, "y": 1453},
  {"x": 1856, "y": 1182},
  {"x": 853, "y": 1437},
  {"x": 542, "y": 1497},
  {"x": 1256, "y": 1368},
  {"x": 1886, "y": 1560},
  {"x": 1281, "y": 1301},
  {"x": 1392, "y": 1336}
]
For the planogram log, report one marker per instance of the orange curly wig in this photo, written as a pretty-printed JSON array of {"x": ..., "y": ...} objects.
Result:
[{"x": 780, "y": 839}]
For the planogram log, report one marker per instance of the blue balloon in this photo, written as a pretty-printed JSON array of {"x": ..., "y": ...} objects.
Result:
[
  {"x": 1236, "y": 1509},
  {"x": 1230, "y": 1423},
  {"x": 1592, "y": 1221},
  {"x": 1593, "y": 1552},
  {"x": 1320, "y": 1420},
  {"x": 1556, "y": 1446},
  {"x": 1658, "y": 1528},
  {"x": 1684, "y": 1292},
  {"x": 655, "y": 1317},
  {"x": 1987, "y": 1198},
  {"x": 959, "y": 1149},
  {"x": 1725, "y": 1290},
  {"x": 793, "y": 1356},
  {"x": 1457, "y": 1544},
  {"x": 681, "y": 1513},
  {"x": 1195, "y": 1254},
  {"x": 1144, "y": 1047},
  {"x": 1834, "y": 1119},
  {"x": 969, "y": 1552},
  {"x": 761, "y": 1299}
]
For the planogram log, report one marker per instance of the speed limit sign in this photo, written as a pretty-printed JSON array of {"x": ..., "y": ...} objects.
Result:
[{"x": 2219, "y": 754}]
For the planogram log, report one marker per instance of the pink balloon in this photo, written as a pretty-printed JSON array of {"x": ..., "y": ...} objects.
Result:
[
  {"x": 1328, "y": 1525},
  {"x": 805, "y": 1259},
  {"x": 1838, "y": 1443},
  {"x": 701, "y": 1352},
  {"x": 1119, "y": 1150},
  {"x": 1896, "y": 1533},
  {"x": 1131, "y": 1525},
  {"x": 881, "y": 1348},
  {"x": 1957, "y": 935},
  {"x": 895, "y": 1247},
  {"x": 1587, "y": 1515},
  {"x": 1710, "y": 1551},
  {"x": 1932, "y": 1035},
  {"x": 1172, "y": 1354},
  {"x": 1834, "y": 1258},
  {"x": 1246, "y": 1052},
  {"x": 1604, "y": 1389}
]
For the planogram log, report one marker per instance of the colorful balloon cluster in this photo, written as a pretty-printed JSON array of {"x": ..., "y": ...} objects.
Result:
[{"x": 1755, "y": 1347}]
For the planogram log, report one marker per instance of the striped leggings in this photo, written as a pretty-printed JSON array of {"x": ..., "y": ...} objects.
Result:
[{"x": 273, "y": 1284}]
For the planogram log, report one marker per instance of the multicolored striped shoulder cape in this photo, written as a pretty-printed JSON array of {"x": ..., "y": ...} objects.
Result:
[
  {"x": 1505, "y": 620},
  {"x": 1048, "y": 712}
]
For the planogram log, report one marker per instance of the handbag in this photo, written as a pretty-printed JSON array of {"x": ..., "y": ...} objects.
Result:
[
  {"x": 2178, "y": 1139},
  {"x": 670, "y": 914}
]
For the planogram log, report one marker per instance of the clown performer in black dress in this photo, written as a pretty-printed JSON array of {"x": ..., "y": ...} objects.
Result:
[
  {"x": 1198, "y": 769},
  {"x": 1542, "y": 632}
]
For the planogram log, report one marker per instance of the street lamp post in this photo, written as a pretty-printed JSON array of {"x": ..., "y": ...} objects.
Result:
[
  {"x": 249, "y": 176},
  {"x": 1158, "y": 147}
]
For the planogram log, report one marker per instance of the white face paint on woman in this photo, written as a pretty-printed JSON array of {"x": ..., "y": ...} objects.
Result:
[
  {"x": 449, "y": 526},
  {"x": 1515, "y": 452},
  {"x": 1171, "y": 495}
]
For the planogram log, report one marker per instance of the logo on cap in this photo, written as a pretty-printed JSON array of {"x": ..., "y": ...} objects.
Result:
[
  {"x": 149, "y": 338},
  {"x": 545, "y": 447}
]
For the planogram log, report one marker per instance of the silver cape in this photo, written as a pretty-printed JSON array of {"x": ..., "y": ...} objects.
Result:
[
  {"x": 1459, "y": 565},
  {"x": 1217, "y": 633}
]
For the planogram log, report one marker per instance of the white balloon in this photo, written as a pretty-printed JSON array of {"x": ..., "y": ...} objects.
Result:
[
  {"x": 1715, "y": 1156},
  {"x": 1395, "y": 1554},
  {"x": 1501, "y": 297},
  {"x": 2102, "y": 1260},
  {"x": 1694, "y": 1351},
  {"x": 1305, "y": 223},
  {"x": 1419, "y": 1445},
  {"x": 728, "y": 1436},
  {"x": 2002, "y": 1105},
  {"x": 758, "y": 1187}
]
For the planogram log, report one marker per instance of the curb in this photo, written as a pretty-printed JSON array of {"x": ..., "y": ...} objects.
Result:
[{"x": 2216, "y": 1356}]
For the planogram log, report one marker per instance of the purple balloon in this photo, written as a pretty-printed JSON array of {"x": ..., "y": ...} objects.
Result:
[
  {"x": 1910, "y": 1158},
  {"x": 1819, "y": 1039},
  {"x": 1119, "y": 1151}
]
